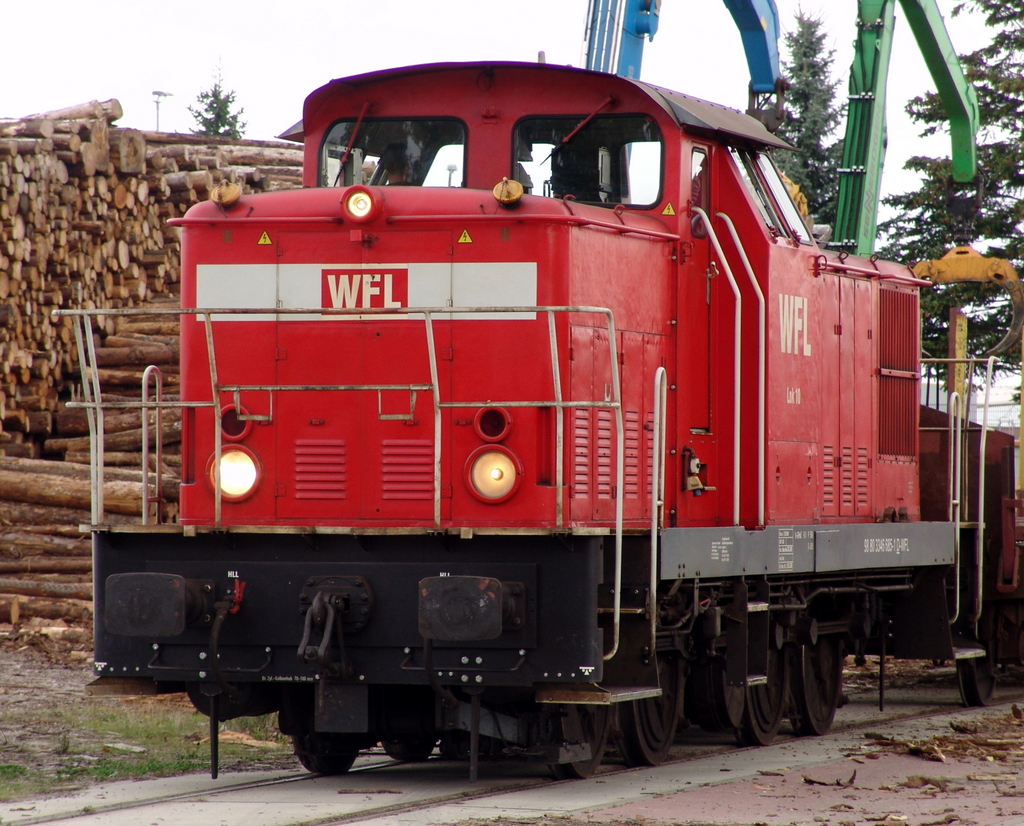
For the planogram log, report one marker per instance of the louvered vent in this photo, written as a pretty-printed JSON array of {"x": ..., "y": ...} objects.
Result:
[
  {"x": 320, "y": 469},
  {"x": 862, "y": 479},
  {"x": 631, "y": 459},
  {"x": 649, "y": 451},
  {"x": 407, "y": 469},
  {"x": 828, "y": 479},
  {"x": 846, "y": 475},
  {"x": 898, "y": 382},
  {"x": 581, "y": 452},
  {"x": 605, "y": 463}
]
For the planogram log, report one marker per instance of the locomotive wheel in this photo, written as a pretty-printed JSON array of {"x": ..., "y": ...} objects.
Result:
[
  {"x": 648, "y": 727},
  {"x": 410, "y": 750},
  {"x": 591, "y": 724},
  {"x": 711, "y": 703},
  {"x": 817, "y": 685},
  {"x": 325, "y": 753},
  {"x": 766, "y": 704},
  {"x": 977, "y": 679}
]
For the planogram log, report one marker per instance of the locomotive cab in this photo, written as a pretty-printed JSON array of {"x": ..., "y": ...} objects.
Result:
[{"x": 554, "y": 454}]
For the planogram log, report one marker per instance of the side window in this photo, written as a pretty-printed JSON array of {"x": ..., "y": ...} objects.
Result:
[
  {"x": 771, "y": 195},
  {"x": 601, "y": 160},
  {"x": 794, "y": 220},
  {"x": 700, "y": 189},
  {"x": 756, "y": 188},
  {"x": 394, "y": 153}
]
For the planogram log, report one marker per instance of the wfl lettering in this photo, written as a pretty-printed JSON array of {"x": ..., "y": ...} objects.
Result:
[
  {"x": 364, "y": 289},
  {"x": 793, "y": 324}
]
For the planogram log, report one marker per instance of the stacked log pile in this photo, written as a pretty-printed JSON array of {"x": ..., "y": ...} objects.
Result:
[{"x": 84, "y": 211}]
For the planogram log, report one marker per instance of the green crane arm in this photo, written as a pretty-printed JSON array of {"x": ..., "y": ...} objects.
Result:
[{"x": 864, "y": 149}]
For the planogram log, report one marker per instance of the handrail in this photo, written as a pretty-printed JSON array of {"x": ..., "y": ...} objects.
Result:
[
  {"x": 94, "y": 404},
  {"x": 762, "y": 349},
  {"x": 737, "y": 363},
  {"x": 210, "y": 313},
  {"x": 154, "y": 372},
  {"x": 979, "y": 543},
  {"x": 93, "y": 413},
  {"x": 954, "y": 407},
  {"x": 660, "y": 405}
]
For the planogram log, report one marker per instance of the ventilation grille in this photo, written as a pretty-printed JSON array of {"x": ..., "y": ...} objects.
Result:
[
  {"x": 581, "y": 452},
  {"x": 828, "y": 479},
  {"x": 320, "y": 469},
  {"x": 898, "y": 393},
  {"x": 407, "y": 469},
  {"x": 631, "y": 459},
  {"x": 847, "y": 479},
  {"x": 862, "y": 480},
  {"x": 605, "y": 470},
  {"x": 649, "y": 450}
]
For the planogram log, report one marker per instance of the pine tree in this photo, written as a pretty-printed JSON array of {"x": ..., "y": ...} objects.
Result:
[
  {"x": 813, "y": 116},
  {"x": 213, "y": 113},
  {"x": 924, "y": 224}
]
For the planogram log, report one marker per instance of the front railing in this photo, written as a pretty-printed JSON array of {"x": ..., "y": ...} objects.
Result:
[{"x": 95, "y": 405}]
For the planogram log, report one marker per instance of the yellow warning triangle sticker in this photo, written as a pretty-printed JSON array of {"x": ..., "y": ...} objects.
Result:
[
  {"x": 265, "y": 238},
  {"x": 464, "y": 238},
  {"x": 669, "y": 209}
]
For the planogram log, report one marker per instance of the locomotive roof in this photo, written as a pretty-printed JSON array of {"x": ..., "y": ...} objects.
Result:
[{"x": 688, "y": 112}]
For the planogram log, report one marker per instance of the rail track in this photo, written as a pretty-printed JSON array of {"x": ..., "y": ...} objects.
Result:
[{"x": 381, "y": 790}]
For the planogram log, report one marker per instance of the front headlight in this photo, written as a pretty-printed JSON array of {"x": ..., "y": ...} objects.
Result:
[
  {"x": 493, "y": 473},
  {"x": 361, "y": 204},
  {"x": 239, "y": 473}
]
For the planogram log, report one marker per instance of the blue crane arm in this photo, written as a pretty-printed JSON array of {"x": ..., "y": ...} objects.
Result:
[
  {"x": 758, "y": 22},
  {"x": 616, "y": 30}
]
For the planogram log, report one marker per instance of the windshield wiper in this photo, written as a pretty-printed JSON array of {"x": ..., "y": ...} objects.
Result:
[
  {"x": 609, "y": 101},
  {"x": 352, "y": 142}
]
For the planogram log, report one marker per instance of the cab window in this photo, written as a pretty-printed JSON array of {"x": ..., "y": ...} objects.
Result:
[
  {"x": 394, "y": 153},
  {"x": 700, "y": 189},
  {"x": 779, "y": 190},
  {"x": 605, "y": 160},
  {"x": 770, "y": 194}
]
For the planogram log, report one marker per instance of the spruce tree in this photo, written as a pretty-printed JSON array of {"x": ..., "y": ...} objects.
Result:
[
  {"x": 925, "y": 221},
  {"x": 213, "y": 113},
  {"x": 813, "y": 117}
]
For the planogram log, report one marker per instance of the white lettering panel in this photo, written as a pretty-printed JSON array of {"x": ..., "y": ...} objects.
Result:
[
  {"x": 358, "y": 286},
  {"x": 245, "y": 286}
]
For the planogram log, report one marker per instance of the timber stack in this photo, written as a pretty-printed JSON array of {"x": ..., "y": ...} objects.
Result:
[{"x": 84, "y": 211}]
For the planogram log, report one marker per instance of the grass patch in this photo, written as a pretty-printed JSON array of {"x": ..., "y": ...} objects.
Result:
[{"x": 107, "y": 739}]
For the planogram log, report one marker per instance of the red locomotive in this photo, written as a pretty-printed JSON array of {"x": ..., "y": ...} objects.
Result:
[{"x": 538, "y": 399}]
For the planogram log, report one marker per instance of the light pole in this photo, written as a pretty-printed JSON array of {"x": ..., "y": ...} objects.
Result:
[{"x": 157, "y": 97}]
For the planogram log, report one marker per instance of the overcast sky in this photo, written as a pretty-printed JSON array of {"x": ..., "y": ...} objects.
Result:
[{"x": 273, "y": 54}]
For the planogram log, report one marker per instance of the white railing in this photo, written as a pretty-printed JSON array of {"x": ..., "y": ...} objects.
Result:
[{"x": 95, "y": 406}]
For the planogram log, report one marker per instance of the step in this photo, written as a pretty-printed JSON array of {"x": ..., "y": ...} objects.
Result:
[{"x": 969, "y": 653}]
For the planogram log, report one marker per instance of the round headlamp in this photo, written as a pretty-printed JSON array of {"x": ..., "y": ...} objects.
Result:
[
  {"x": 493, "y": 473},
  {"x": 240, "y": 473},
  {"x": 362, "y": 204}
]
